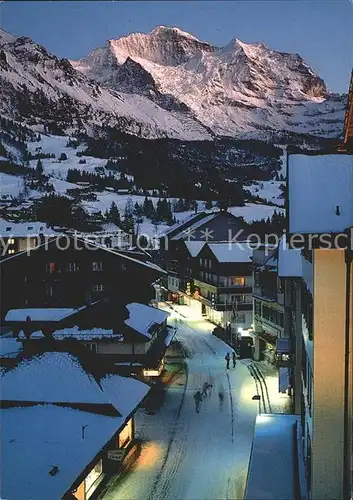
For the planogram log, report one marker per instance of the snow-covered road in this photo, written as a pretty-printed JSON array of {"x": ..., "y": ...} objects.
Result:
[{"x": 189, "y": 455}]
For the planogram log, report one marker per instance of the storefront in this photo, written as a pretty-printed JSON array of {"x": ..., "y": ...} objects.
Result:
[
  {"x": 93, "y": 479},
  {"x": 126, "y": 435},
  {"x": 154, "y": 372}
]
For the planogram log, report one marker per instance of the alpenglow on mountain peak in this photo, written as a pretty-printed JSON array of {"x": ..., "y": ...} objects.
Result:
[{"x": 169, "y": 83}]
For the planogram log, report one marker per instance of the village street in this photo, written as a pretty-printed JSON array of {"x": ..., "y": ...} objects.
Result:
[{"x": 189, "y": 455}]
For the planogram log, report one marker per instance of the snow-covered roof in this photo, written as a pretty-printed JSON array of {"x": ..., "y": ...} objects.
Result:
[
  {"x": 184, "y": 232},
  {"x": 90, "y": 334},
  {"x": 271, "y": 469},
  {"x": 290, "y": 261},
  {"x": 194, "y": 247},
  {"x": 9, "y": 348},
  {"x": 320, "y": 193},
  {"x": 177, "y": 225},
  {"x": 231, "y": 252},
  {"x": 171, "y": 334},
  {"x": 41, "y": 314},
  {"x": 125, "y": 393},
  {"x": 39, "y": 437},
  {"x": 51, "y": 378},
  {"x": 142, "y": 317},
  {"x": 24, "y": 229},
  {"x": 147, "y": 264}
]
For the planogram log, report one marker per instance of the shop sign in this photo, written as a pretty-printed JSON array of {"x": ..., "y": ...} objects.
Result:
[{"x": 116, "y": 455}]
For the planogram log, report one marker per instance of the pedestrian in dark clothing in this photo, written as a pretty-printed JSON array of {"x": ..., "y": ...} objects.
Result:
[
  {"x": 221, "y": 398},
  {"x": 234, "y": 359},
  {"x": 227, "y": 358},
  {"x": 204, "y": 389},
  {"x": 198, "y": 399}
]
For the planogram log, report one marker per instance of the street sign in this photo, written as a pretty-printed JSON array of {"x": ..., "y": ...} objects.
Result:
[{"x": 116, "y": 455}]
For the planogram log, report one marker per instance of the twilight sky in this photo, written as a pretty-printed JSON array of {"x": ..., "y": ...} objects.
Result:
[{"x": 319, "y": 30}]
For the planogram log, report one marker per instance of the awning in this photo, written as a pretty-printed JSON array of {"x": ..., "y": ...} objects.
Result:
[
  {"x": 283, "y": 346},
  {"x": 283, "y": 379}
]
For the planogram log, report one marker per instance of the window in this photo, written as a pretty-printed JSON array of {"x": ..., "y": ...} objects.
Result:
[
  {"x": 200, "y": 262},
  {"x": 8, "y": 228},
  {"x": 210, "y": 264},
  {"x": 237, "y": 281},
  {"x": 72, "y": 267},
  {"x": 257, "y": 278},
  {"x": 93, "y": 347},
  {"x": 98, "y": 287},
  {"x": 48, "y": 290},
  {"x": 97, "y": 266},
  {"x": 11, "y": 241},
  {"x": 29, "y": 228},
  {"x": 239, "y": 298},
  {"x": 240, "y": 318},
  {"x": 11, "y": 251},
  {"x": 50, "y": 267}
]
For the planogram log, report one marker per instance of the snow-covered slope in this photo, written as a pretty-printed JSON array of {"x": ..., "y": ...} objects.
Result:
[
  {"x": 37, "y": 87},
  {"x": 242, "y": 89}
]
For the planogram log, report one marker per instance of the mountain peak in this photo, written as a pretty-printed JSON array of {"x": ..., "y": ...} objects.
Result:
[
  {"x": 6, "y": 37},
  {"x": 174, "y": 31}
]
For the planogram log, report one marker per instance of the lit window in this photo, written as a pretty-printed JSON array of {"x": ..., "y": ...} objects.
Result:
[
  {"x": 10, "y": 241},
  {"x": 50, "y": 267},
  {"x": 98, "y": 287},
  {"x": 11, "y": 251},
  {"x": 97, "y": 266},
  {"x": 237, "y": 280}
]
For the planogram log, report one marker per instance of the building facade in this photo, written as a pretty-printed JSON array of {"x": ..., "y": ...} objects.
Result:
[
  {"x": 70, "y": 272},
  {"x": 320, "y": 212}
]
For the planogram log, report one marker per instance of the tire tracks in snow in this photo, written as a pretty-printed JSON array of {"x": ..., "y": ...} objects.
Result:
[
  {"x": 231, "y": 408},
  {"x": 160, "y": 492}
]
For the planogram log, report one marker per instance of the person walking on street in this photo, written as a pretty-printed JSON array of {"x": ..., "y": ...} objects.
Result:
[
  {"x": 204, "y": 389},
  {"x": 220, "y": 397},
  {"x": 198, "y": 399},
  {"x": 227, "y": 358},
  {"x": 234, "y": 359}
]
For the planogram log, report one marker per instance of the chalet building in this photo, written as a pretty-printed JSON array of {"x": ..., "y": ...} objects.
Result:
[
  {"x": 320, "y": 220},
  {"x": 219, "y": 284},
  {"x": 64, "y": 430},
  {"x": 132, "y": 338},
  {"x": 19, "y": 236},
  {"x": 203, "y": 227},
  {"x": 68, "y": 272}
]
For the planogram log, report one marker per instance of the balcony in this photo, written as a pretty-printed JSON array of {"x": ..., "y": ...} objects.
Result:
[{"x": 235, "y": 289}]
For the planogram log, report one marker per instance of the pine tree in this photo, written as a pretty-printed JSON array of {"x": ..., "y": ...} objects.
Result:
[
  {"x": 39, "y": 168},
  {"x": 114, "y": 214},
  {"x": 137, "y": 209},
  {"x": 63, "y": 157}
]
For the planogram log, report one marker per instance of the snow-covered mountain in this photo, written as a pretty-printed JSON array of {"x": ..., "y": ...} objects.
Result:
[
  {"x": 167, "y": 83},
  {"x": 240, "y": 90},
  {"x": 36, "y": 87}
]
